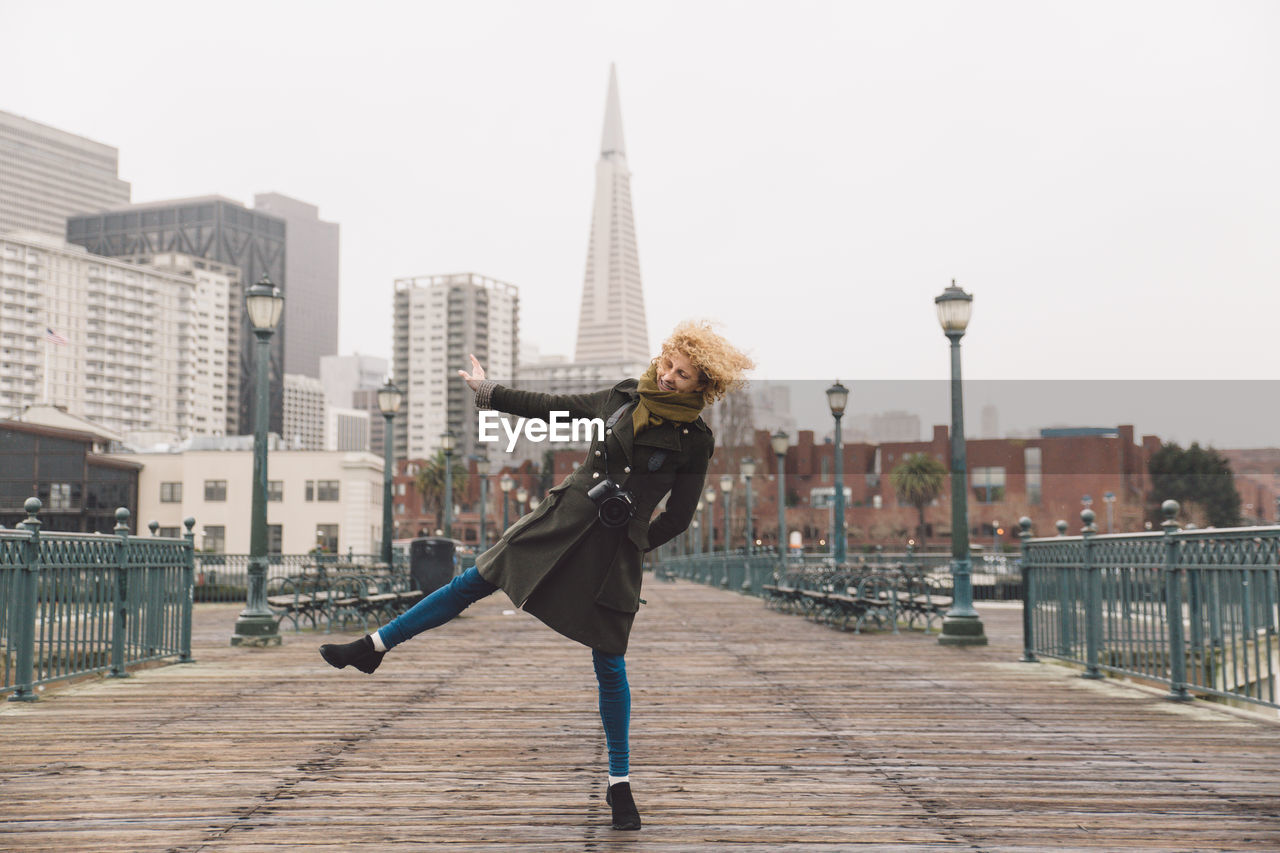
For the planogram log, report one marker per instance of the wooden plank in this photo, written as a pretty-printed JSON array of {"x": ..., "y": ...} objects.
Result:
[{"x": 751, "y": 729}]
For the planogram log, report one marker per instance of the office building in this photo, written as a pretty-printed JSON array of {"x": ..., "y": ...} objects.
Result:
[
  {"x": 439, "y": 321},
  {"x": 352, "y": 382},
  {"x": 346, "y": 429},
  {"x": 311, "y": 264},
  {"x": 215, "y": 229},
  {"x": 611, "y": 317},
  {"x": 48, "y": 174},
  {"x": 304, "y": 419}
]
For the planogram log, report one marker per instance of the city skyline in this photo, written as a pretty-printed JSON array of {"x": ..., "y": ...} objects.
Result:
[{"x": 1099, "y": 179}]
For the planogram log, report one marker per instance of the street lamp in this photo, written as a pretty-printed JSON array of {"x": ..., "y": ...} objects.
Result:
[
  {"x": 779, "y": 443},
  {"x": 522, "y": 495},
  {"x": 389, "y": 399},
  {"x": 256, "y": 626},
  {"x": 446, "y": 444},
  {"x": 748, "y": 467},
  {"x": 961, "y": 625},
  {"x": 506, "y": 483},
  {"x": 482, "y": 471},
  {"x": 710, "y": 497},
  {"x": 697, "y": 533},
  {"x": 837, "y": 399},
  {"x": 726, "y": 486},
  {"x": 1110, "y": 499}
]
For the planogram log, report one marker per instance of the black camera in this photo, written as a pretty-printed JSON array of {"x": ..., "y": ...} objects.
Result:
[{"x": 614, "y": 504}]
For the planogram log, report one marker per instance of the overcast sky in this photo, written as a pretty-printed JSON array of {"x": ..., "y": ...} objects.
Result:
[{"x": 1102, "y": 176}]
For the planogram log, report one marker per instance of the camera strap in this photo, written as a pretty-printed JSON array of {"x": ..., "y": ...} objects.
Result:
[{"x": 655, "y": 460}]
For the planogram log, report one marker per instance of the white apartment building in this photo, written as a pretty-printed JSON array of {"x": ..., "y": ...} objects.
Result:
[
  {"x": 133, "y": 348},
  {"x": 313, "y": 497},
  {"x": 439, "y": 321},
  {"x": 346, "y": 429},
  {"x": 303, "y": 412}
]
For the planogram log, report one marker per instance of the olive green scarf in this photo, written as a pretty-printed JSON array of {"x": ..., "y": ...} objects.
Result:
[{"x": 657, "y": 406}]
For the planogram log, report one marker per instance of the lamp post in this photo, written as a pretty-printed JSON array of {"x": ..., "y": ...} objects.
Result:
[
  {"x": 482, "y": 471},
  {"x": 961, "y": 625},
  {"x": 726, "y": 486},
  {"x": 256, "y": 626},
  {"x": 389, "y": 399},
  {"x": 748, "y": 471},
  {"x": 779, "y": 444},
  {"x": 837, "y": 399},
  {"x": 1110, "y": 499},
  {"x": 710, "y": 497},
  {"x": 522, "y": 496},
  {"x": 505, "y": 483},
  {"x": 446, "y": 444},
  {"x": 697, "y": 532}
]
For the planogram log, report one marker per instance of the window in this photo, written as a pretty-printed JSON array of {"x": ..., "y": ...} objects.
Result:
[
  {"x": 169, "y": 532},
  {"x": 215, "y": 538},
  {"x": 60, "y": 496},
  {"x": 275, "y": 490},
  {"x": 327, "y": 538},
  {"x": 1031, "y": 456},
  {"x": 326, "y": 490},
  {"x": 215, "y": 490},
  {"x": 823, "y": 497},
  {"x": 170, "y": 493},
  {"x": 275, "y": 536},
  {"x": 987, "y": 484}
]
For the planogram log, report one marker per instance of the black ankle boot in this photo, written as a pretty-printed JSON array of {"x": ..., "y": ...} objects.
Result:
[
  {"x": 625, "y": 815},
  {"x": 359, "y": 654}
]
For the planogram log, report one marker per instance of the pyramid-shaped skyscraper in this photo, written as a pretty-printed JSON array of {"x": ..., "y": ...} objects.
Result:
[{"x": 611, "y": 321}]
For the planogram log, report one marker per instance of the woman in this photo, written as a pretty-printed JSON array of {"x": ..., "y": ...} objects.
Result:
[{"x": 575, "y": 562}]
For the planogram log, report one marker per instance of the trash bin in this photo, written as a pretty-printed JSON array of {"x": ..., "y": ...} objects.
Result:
[{"x": 431, "y": 562}]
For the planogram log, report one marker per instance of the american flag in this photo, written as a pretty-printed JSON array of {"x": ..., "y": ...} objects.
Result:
[{"x": 53, "y": 337}]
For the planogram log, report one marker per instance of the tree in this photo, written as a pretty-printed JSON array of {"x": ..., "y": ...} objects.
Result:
[
  {"x": 1199, "y": 478},
  {"x": 429, "y": 481},
  {"x": 918, "y": 480}
]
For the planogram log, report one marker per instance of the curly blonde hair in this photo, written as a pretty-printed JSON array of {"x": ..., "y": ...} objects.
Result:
[{"x": 720, "y": 362}]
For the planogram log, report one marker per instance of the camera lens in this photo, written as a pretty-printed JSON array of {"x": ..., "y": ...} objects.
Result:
[{"x": 615, "y": 511}]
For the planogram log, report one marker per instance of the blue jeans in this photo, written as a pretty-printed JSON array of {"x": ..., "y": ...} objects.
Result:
[{"x": 466, "y": 589}]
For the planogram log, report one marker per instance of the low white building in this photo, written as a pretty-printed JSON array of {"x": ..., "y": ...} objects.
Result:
[{"x": 314, "y": 497}]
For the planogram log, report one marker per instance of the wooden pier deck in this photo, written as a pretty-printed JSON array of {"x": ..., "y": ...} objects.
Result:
[{"x": 751, "y": 730}]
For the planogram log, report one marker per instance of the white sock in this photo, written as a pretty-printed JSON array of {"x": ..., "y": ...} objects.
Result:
[
  {"x": 377, "y": 642},
  {"x": 614, "y": 780}
]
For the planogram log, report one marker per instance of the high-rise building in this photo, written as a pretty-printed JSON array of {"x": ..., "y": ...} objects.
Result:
[
  {"x": 303, "y": 412},
  {"x": 352, "y": 382},
  {"x": 613, "y": 340},
  {"x": 346, "y": 429},
  {"x": 136, "y": 349},
  {"x": 611, "y": 319},
  {"x": 439, "y": 322},
  {"x": 217, "y": 229},
  {"x": 311, "y": 263},
  {"x": 48, "y": 174}
]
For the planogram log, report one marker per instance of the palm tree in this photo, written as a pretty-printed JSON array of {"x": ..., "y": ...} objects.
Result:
[
  {"x": 429, "y": 481},
  {"x": 918, "y": 480}
]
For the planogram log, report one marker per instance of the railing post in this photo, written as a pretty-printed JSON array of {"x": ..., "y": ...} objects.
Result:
[
  {"x": 24, "y": 608},
  {"x": 1173, "y": 606},
  {"x": 188, "y": 591},
  {"x": 1066, "y": 620},
  {"x": 1093, "y": 599},
  {"x": 121, "y": 609},
  {"x": 1028, "y": 596},
  {"x": 153, "y": 584}
]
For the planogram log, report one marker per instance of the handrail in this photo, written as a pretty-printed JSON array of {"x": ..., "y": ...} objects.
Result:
[
  {"x": 74, "y": 604},
  {"x": 1196, "y": 609}
]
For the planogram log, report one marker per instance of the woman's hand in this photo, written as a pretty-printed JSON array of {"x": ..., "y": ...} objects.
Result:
[{"x": 475, "y": 377}]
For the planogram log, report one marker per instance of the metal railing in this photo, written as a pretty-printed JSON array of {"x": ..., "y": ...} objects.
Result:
[
  {"x": 225, "y": 577},
  {"x": 1194, "y": 609},
  {"x": 74, "y": 604}
]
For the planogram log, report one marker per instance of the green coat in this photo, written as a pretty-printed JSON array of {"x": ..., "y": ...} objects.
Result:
[{"x": 559, "y": 562}]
